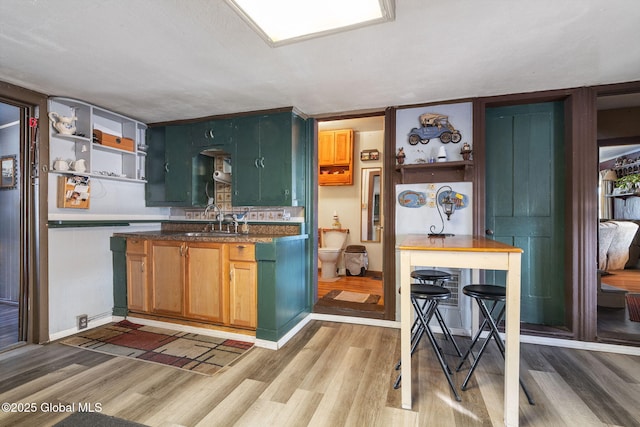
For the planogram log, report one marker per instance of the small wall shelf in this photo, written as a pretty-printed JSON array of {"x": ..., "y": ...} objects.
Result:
[{"x": 436, "y": 172}]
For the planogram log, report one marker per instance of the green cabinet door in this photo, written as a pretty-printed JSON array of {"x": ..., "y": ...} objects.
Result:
[
  {"x": 267, "y": 162},
  {"x": 246, "y": 167},
  {"x": 275, "y": 159},
  {"x": 168, "y": 167},
  {"x": 178, "y": 166},
  {"x": 212, "y": 134},
  {"x": 155, "y": 187}
]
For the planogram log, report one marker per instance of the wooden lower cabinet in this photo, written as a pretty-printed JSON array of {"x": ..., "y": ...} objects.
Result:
[
  {"x": 194, "y": 281},
  {"x": 206, "y": 293},
  {"x": 137, "y": 282},
  {"x": 243, "y": 286}
]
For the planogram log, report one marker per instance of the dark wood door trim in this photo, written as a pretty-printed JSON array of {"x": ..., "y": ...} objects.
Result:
[
  {"x": 581, "y": 155},
  {"x": 35, "y": 238}
]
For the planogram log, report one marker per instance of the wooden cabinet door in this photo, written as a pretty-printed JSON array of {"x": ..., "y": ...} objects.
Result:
[
  {"x": 206, "y": 288},
  {"x": 137, "y": 282},
  {"x": 137, "y": 278},
  {"x": 167, "y": 277},
  {"x": 325, "y": 148},
  {"x": 243, "y": 295},
  {"x": 343, "y": 147}
]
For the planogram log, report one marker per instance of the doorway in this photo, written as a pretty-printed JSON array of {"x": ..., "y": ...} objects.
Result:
[
  {"x": 618, "y": 217},
  {"x": 11, "y": 190},
  {"x": 358, "y": 286}
]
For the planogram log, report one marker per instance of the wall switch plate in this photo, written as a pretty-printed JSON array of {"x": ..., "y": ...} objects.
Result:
[{"x": 83, "y": 321}]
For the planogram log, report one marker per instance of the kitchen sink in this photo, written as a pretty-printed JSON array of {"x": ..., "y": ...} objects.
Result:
[{"x": 210, "y": 234}]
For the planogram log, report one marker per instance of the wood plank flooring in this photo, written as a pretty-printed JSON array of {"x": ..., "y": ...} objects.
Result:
[
  {"x": 8, "y": 325},
  {"x": 329, "y": 374},
  {"x": 624, "y": 279}
]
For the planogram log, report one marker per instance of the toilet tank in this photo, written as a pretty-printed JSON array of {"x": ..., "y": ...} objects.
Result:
[{"x": 334, "y": 238}]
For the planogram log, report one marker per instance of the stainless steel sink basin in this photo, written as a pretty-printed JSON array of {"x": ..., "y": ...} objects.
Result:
[{"x": 209, "y": 234}]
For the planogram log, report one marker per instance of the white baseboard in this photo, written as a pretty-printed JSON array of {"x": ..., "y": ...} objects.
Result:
[
  {"x": 273, "y": 345},
  {"x": 92, "y": 323}
]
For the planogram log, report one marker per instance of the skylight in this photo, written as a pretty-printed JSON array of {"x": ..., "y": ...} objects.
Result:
[{"x": 286, "y": 21}]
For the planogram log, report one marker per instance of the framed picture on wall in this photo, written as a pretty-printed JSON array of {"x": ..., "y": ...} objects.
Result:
[{"x": 9, "y": 169}]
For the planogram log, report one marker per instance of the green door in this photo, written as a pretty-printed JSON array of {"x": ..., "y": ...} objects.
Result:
[{"x": 525, "y": 201}]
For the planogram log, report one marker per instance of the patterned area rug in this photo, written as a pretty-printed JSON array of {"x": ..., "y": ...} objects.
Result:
[
  {"x": 633, "y": 305},
  {"x": 194, "y": 352}
]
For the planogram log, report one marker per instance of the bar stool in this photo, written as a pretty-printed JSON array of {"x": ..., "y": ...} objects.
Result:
[
  {"x": 496, "y": 294},
  {"x": 437, "y": 277},
  {"x": 431, "y": 296}
]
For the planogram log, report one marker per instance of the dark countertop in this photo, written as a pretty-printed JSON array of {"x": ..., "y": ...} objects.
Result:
[{"x": 182, "y": 236}]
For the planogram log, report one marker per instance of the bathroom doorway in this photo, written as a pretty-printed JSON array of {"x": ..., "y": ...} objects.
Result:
[{"x": 358, "y": 286}]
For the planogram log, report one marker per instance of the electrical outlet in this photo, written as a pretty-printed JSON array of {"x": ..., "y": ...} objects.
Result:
[{"x": 83, "y": 321}]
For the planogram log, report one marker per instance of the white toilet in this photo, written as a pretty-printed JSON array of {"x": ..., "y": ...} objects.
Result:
[{"x": 332, "y": 243}]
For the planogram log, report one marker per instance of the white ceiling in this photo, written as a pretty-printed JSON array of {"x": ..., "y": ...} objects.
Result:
[{"x": 160, "y": 60}]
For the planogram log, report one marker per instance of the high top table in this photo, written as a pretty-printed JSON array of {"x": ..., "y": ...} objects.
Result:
[{"x": 472, "y": 252}]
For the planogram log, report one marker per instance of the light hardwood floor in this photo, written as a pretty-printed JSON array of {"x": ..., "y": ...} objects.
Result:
[
  {"x": 8, "y": 325},
  {"x": 330, "y": 374}
]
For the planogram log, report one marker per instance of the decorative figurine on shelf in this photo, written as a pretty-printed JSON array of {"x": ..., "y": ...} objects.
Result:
[
  {"x": 466, "y": 151},
  {"x": 64, "y": 125},
  {"x": 400, "y": 156},
  {"x": 442, "y": 154},
  {"x": 336, "y": 221}
]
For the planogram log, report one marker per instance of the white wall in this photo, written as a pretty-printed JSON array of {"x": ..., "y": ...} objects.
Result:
[
  {"x": 345, "y": 199},
  {"x": 80, "y": 259}
]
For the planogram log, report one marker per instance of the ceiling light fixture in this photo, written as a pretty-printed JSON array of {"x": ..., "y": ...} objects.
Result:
[{"x": 287, "y": 21}]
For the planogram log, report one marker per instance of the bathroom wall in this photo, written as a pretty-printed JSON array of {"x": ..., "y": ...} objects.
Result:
[{"x": 345, "y": 199}]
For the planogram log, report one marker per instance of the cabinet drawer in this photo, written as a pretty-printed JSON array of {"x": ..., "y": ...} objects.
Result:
[
  {"x": 242, "y": 251},
  {"x": 136, "y": 246}
]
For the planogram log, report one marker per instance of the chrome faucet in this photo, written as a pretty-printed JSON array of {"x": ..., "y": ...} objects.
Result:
[{"x": 218, "y": 217}]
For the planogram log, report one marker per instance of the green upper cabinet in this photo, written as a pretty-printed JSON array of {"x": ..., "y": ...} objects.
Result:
[
  {"x": 177, "y": 174},
  {"x": 213, "y": 134},
  {"x": 268, "y": 166},
  {"x": 168, "y": 171}
]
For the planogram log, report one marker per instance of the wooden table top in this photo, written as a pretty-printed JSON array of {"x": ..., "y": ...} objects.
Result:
[{"x": 462, "y": 243}]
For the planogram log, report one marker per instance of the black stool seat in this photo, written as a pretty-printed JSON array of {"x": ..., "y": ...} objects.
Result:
[
  {"x": 489, "y": 292},
  {"x": 430, "y": 275},
  {"x": 429, "y": 291},
  {"x": 497, "y": 295}
]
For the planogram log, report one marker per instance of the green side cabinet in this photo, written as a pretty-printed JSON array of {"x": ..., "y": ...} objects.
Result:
[
  {"x": 268, "y": 163},
  {"x": 284, "y": 291},
  {"x": 118, "y": 246}
]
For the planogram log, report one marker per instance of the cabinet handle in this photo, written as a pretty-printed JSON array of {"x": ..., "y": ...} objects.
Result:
[
  {"x": 166, "y": 166},
  {"x": 240, "y": 246},
  {"x": 142, "y": 267},
  {"x": 231, "y": 275},
  {"x": 255, "y": 163},
  {"x": 262, "y": 162},
  {"x": 210, "y": 134}
]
